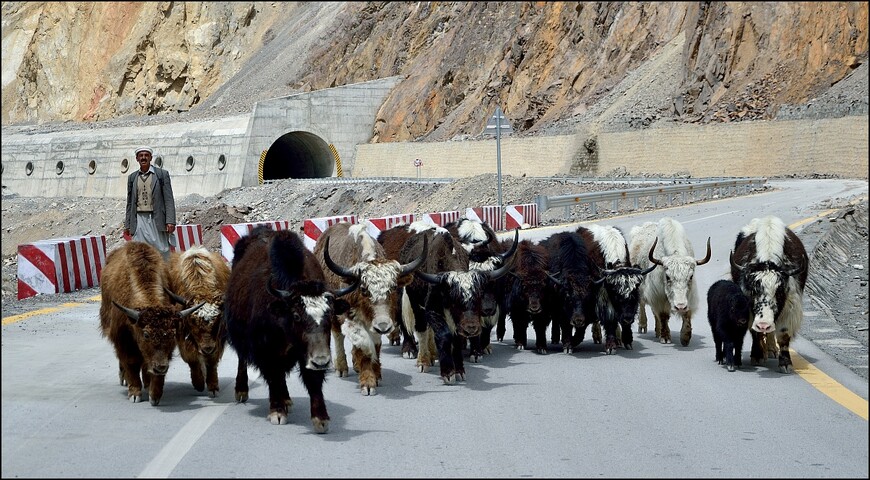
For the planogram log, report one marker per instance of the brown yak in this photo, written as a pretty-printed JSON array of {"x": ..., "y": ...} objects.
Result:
[
  {"x": 138, "y": 317},
  {"x": 201, "y": 276}
]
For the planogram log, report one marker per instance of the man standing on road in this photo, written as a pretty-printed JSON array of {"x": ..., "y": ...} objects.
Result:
[{"x": 150, "y": 214}]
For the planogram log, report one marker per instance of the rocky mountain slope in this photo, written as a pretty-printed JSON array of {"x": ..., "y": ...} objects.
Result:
[{"x": 543, "y": 62}]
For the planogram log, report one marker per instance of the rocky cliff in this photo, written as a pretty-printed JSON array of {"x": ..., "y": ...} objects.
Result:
[{"x": 543, "y": 62}]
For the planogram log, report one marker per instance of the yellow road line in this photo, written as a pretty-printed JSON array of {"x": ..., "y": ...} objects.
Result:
[
  {"x": 42, "y": 311},
  {"x": 817, "y": 378},
  {"x": 805, "y": 221},
  {"x": 827, "y": 385}
]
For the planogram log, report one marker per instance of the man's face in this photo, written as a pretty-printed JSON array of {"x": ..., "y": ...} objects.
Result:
[{"x": 144, "y": 159}]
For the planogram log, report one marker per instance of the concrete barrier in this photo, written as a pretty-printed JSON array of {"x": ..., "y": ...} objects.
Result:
[
  {"x": 230, "y": 234},
  {"x": 60, "y": 265},
  {"x": 491, "y": 215},
  {"x": 522, "y": 216},
  {"x": 312, "y": 228},
  {"x": 374, "y": 226},
  {"x": 441, "y": 218},
  {"x": 185, "y": 236}
]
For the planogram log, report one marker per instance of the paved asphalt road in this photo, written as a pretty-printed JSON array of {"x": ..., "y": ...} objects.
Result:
[{"x": 656, "y": 411}]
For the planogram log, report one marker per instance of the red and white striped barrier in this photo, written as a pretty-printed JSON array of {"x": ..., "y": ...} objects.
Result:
[
  {"x": 377, "y": 225},
  {"x": 230, "y": 234},
  {"x": 441, "y": 218},
  {"x": 489, "y": 215},
  {"x": 60, "y": 265},
  {"x": 314, "y": 227},
  {"x": 186, "y": 236},
  {"x": 521, "y": 216}
]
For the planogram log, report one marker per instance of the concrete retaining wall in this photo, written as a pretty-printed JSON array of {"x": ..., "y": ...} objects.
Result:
[
  {"x": 836, "y": 146},
  {"x": 532, "y": 156}
]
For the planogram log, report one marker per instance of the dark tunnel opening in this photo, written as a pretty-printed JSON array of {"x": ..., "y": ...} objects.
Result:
[{"x": 298, "y": 155}]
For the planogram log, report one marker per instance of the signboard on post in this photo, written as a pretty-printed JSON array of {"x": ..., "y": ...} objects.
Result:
[
  {"x": 497, "y": 125},
  {"x": 418, "y": 163}
]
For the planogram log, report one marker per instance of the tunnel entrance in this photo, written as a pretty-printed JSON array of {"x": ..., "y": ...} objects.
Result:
[{"x": 298, "y": 155}]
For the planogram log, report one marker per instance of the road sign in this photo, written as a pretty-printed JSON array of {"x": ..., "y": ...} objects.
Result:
[
  {"x": 497, "y": 124},
  {"x": 418, "y": 163}
]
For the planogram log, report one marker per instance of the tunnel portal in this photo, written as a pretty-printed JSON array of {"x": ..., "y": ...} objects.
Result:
[{"x": 298, "y": 155}]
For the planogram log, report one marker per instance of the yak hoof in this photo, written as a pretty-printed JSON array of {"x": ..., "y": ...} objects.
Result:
[
  {"x": 731, "y": 368},
  {"x": 520, "y": 347},
  {"x": 135, "y": 398},
  {"x": 320, "y": 425},
  {"x": 277, "y": 418},
  {"x": 641, "y": 329},
  {"x": 213, "y": 393},
  {"x": 448, "y": 379},
  {"x": 541, "y": 351},
  {"x": 475, "y": 358},
  {"x": 409, "y": 354},
  {"x": 341, "y": 373},
  {"x": 367, "y": 391},
  {"x": 568, "y": 349},
  {"x": 154, "y": 401},
  {"x": 241, "y": 397}
]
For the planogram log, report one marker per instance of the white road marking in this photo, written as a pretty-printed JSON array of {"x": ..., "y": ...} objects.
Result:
[{"x": 171, "y": 454}]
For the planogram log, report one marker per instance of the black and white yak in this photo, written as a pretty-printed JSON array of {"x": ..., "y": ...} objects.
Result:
[{"x": 770, "y": 264}]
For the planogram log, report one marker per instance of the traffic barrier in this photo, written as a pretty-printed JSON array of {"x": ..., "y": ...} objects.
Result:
[
  {"x": 377, "y": 225},
  {"x": 185, "y": 236},
  {"x": 60, "y": 265},
  {"x": 490, "y": 215},
  {"x": 441, "y": 218},
  {"x": 231, "y": 233},
  {"x": 521, "y": 216},
  {"x": 314, "y": 227}
]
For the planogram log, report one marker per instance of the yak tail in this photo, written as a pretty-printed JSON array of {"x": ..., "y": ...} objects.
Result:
[{"x": 407, "y": 313}]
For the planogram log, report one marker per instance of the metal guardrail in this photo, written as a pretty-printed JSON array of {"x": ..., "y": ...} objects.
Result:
[
  {"x": 723, "y": 187},
  {"x": 581, "y": 179},
  {"x": 353, "y": 180}
]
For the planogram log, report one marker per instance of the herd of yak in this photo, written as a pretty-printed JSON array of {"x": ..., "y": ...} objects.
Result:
[{"x": 436, "y": 291}]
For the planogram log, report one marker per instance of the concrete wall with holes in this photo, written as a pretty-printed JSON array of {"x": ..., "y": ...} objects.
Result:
[{"x": 202, "y": 157}]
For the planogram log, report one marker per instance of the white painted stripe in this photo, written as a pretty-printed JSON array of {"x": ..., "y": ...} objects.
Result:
[
  {"x": 711, "y": 216},
  {"x": 165, "y": 462}
]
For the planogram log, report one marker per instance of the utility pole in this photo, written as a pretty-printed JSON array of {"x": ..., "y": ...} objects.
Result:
[{"x": 497, "y": 124}]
